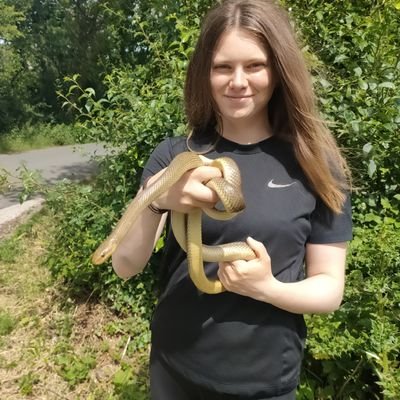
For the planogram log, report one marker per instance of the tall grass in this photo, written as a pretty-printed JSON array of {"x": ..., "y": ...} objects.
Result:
[{"x": 41, "y": 135}]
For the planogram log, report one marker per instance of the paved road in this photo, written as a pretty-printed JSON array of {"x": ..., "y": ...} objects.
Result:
[{"x": 54, "y": 164}]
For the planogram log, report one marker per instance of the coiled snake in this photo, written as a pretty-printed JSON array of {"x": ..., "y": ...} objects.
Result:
[{"x": 187, "y": 227}]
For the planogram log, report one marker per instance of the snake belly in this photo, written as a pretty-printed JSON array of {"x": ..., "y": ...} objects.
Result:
[{"x": 188, "y": 234}]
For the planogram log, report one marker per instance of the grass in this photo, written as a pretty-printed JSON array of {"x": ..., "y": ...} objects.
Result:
[
  {"x": 53, "y": 346},
  {"x": 41, "y": 135},
  {"x": 7, "y": 323}
]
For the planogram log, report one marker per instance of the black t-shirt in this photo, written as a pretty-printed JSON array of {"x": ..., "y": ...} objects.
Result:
[{"x": 229, "y": 342}]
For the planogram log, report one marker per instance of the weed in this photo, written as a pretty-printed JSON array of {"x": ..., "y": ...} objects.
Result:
[
  {"x": 128, "y": 386},
  {"x": 9, "y": 249},
  {"x": 7, "y": 323},
  {"x": 27, "y": 382},
  {"x": 4, "y": 181},
  {"x": 64, "y": 325},
  {"x": 73, "y": 368}
]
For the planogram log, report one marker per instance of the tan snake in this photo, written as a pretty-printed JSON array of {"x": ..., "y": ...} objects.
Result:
[{"x": 187, "y": 227}]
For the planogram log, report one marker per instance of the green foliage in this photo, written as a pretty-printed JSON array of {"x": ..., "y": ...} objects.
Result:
[
  {"x": 27, "y": 382},
  {"x": 40, "y": 135},
  {"x": 357, "y": 348},
  {"x": 13, "y": 89},
  {"x": 353, "y": 54},
  {"x": 32, "y": 183},
  {"x": 4, "y": 181},
  {"x": 7, "y": 323},
  {"x": 128, "y": 385},
  {"x": 9, "y": 18},
  {"x": 74, "y": 368},
  {"x": 357, "y": 76},
  {"x": 83, "y": 215},
  {"x": 9, "y": 249},
  {"x": 51, "y": 39}
]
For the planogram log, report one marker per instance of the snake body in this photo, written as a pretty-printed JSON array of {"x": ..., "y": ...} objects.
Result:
[{"x": 187, "y": 227}]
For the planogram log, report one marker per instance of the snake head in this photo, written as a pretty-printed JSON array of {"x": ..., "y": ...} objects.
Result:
[{"x": 102, "y": 254}]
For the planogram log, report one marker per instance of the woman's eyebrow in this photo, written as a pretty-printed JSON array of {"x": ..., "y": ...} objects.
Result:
[{"x": 223, "y": 60}]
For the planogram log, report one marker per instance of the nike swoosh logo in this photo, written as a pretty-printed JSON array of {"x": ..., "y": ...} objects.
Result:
[{"x": 273, "y": 185}]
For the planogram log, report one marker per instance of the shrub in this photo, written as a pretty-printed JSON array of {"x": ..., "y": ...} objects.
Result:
[{"x": 355, "y": 352}]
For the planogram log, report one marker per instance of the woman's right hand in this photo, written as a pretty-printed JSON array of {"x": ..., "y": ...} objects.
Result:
[{"x": 189, "y": 191}]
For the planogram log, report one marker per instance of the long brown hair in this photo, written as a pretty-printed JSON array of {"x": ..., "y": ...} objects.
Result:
[{"x": 292, "y": 109}]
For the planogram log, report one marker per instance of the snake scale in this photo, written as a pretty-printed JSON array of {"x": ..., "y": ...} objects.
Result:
[{"x": 187, "y": 227}]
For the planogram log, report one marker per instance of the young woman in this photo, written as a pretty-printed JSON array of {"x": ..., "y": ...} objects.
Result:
[{"x": 248, "y": 96}]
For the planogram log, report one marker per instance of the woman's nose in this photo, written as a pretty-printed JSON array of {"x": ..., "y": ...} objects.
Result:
[{"x": 239, "y": 78}]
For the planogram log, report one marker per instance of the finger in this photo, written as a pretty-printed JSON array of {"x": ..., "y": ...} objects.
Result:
[
  {"x": 258, "y": 248},
  {"x": 203, "y": 204},
  {"x": 221, "y": 271},
  {"x": 223, "y": 265},
  {"x": 225, "y": 269},
  {"x": 205, "y": 173},
  {"x": 202, "y": 193},
  {"x": 224, "y": 274}
]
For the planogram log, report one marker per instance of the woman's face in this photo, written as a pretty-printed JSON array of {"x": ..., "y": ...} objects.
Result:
[{"x": 241, "y": 76}]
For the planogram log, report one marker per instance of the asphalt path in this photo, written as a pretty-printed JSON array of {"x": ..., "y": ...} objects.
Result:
[
  {"x": 75, "y": 163},
  {"x": 54, "y": 164}
]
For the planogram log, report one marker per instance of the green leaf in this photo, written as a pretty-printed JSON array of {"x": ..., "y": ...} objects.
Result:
[
  {"x": 385, "y": 203},
  {"x": 339, "y": 58},
  {"x": 370, "y": 217},
  {"x": 389, "y": 85},
  {"x": 367, "y": 148},
  {"x": 363, "y": 85},
  {"x": 372, "y": 355},
  {"x": 371, "y": 168},
  {"x": 358, "y": 71},
  {"x": 324, "y": 83},
  {"x": 90, "y": 91}
]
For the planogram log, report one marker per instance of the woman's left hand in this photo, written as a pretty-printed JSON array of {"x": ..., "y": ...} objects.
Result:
[{"x": 252, "y": 278}]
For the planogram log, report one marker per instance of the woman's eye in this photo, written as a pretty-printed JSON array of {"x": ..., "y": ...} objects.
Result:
[
  {"x": 256, "y": 66},
  {"x": 222, "y": 67}
]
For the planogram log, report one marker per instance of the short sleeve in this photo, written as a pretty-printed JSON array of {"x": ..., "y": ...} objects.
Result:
[
  {"x": 328, "y": 227},
  {"x": 162, "y": 156},
  {"x": 159, "y": 159}
]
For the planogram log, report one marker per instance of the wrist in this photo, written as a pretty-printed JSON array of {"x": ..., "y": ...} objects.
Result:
[
  {"x": 153, "y": 206},
  {"x": 156, "y": 210},
  {"x": 273, "y": 291}
]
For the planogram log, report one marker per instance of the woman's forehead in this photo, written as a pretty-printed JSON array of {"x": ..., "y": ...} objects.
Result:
[{"x": 239, "y": 43}]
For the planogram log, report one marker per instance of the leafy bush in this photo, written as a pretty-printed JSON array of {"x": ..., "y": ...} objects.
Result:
[
  {"x": 353, "y": 53},
  {"x": 356, "y": 66},
  {"x": 81, "y": 219},
  {"x": 356, "y": 349}
]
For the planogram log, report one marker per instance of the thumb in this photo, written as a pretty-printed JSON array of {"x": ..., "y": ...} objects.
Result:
[{"x": 258, "y": 248}]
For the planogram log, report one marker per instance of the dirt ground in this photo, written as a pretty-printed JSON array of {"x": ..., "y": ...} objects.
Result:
[{"x": 53, "y": 347}]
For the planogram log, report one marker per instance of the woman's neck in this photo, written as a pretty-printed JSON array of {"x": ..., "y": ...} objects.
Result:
[{"x": 244, "y": 132}]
